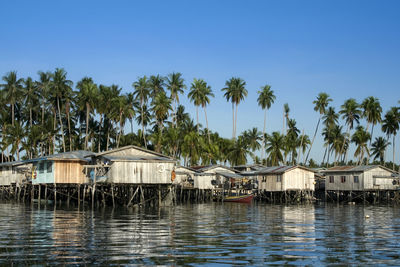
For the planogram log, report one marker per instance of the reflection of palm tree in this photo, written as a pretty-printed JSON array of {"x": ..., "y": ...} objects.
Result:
[
  {"x": 378, "y": 148},
  {"x": 265, "y": 99},
  {"x": 235, "y": 92},
  {"x": 321, "y": 104}
]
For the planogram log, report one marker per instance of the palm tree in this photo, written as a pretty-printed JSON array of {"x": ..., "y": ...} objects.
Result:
[
  {"x": 286, "y": 111},
  {"x": 88, "y": 98},
  {"x": 175, "y": 84},
  {"x": 12, "y": 88},
  {"x": 196, "y": 94},
  {"x": 141, "y": 92},
  {"x": 291, "y": 139},
  {"x": 43, "y": 87},
  {"x": 372, "y": 111},
  {"x": 235, "y": 92},
  {"x": 275, "y": 144},
  {"x": 200, "y": 94},
  {"x": 252, "y": 138},
  {"x": 390, "y": 126},
  {"x": 238, "y": 152},
  {"x": 360, "y": 138},
  {"x": 156, "y": 85},
  {"x": 351, "y": 113},
  {"x": 321, "y": 104},
  {"x": 378, "y": 149},
  {"x": 161, "y": 106},
  {"x": 61, "y": 87},
  {"x": 15, "y": 134},
  {"x": 30, "y": 97},
  {"x": 265, "y": 99}
]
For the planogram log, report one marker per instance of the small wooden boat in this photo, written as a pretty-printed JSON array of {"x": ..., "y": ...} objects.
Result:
[{"x": 239, "y": 199}]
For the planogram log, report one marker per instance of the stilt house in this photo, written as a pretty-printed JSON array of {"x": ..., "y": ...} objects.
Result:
[
  {"x": 285, "y": 178},
  {"x": 184, "y": 176},
  {"x": 359, "y": 178},
  {"x": 14, "y": 172},
  {"x": 63, "y": 168},
  {"x": 133, "y": 165},
  {"x": 211, "y": 176}
]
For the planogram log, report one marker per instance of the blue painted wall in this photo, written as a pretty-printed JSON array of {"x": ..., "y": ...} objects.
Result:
[{"x": 44, "y": 175}]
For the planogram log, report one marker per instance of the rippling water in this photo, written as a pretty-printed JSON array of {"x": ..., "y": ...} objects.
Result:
[{"x": 214, "y": 233}]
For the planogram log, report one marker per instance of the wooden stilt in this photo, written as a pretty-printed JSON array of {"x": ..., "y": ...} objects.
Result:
[{"x": 112, "y": 193}]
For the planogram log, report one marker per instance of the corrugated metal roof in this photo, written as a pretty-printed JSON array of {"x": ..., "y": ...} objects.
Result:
[
  {"x": 210, "y": 167},
  {"x": 12, "y": 163},
  {"x": 136, "y": 158},
  {"x": 132, "y": 147},
  {"x": 229, "y": 175},
  {"x": 76, "y": 155},
  {"x": 360, "y": 168},
  {"x": 280, "y": 169}
]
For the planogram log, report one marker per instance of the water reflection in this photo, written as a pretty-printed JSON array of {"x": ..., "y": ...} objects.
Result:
[{"x": 201, "y": 234}]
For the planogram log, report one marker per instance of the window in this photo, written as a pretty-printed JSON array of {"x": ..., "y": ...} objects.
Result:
[
  {"x": 264, "y": 179},
  {"x": 343, "y": 179},
  {"x": 13, "y": 170},
  {"x": 41, "y": 167},
  {"x": 278, "y": 179},
  {"x": 49, "y": 166},
  {"x": 356, "y": 180},
  {"x": 331, "y": 179}
]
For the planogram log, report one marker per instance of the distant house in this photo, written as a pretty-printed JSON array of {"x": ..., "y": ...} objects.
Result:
[
  {"x": 184, "y": 176},
  {"x": 14, "y": 172},
  {"x": 205, "y": 176},
  {"x": 63, "y": 168},
  {"x": 358, "y": 178},
  {"x": 248, "y": 167},
  {"x": 134, "y": 165},
  {"x": 285, "y": 178}
]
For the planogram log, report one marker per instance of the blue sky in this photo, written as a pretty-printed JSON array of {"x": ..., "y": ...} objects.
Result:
[{"x": 345, "y": 48}]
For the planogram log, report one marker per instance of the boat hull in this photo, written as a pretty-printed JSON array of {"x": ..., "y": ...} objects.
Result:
[{"x": 239, "y": 199}]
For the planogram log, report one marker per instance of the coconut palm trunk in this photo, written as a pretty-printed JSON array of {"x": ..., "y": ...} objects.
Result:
[
  {"x": 61, "y": 124},
  {"x": 312, "y": 142},
  {"x": 87, "y": 126},
  {"x": 208, "y": 131}
]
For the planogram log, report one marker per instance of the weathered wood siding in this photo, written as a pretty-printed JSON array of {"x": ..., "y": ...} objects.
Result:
[
  {"x": 182, "y": 175},
  {"x": 269, "y": 182},
  {"x": 69, "y": 172},
  {"x": 140, "y": 172},
  {"x": 298, "y": 179},
  {"x": 204, "y": 181},
  {"x": 7, "y": 177},
  {"x": 294, "y": 179},
  {"x": 366, "y": 181}
]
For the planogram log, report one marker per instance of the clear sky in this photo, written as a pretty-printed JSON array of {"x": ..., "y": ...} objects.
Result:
[{"x": 345, "y": 48}]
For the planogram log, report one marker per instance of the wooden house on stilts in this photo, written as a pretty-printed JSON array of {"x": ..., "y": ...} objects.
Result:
[{"x": 369, "y": 183}]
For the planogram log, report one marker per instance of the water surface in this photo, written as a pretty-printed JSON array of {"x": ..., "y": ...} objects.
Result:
[{"x": 202, "y": 234}]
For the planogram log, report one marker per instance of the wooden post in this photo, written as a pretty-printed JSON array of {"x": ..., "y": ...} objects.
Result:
[
  {"x": 55, "y": 195},
  {"x": 79, "y": 194},
  {"x": 112, "y": 193},
  {"x": 45, "y": 192},
  {"x": 93, "y": 194},
  {"x": 39, "y": 195},
  {"x": 159, "y": 195},
  {"x": 84, "y": 194}
]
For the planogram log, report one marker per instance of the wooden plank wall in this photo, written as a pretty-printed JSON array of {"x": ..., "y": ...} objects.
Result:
[{"x": 69, "y": 172}]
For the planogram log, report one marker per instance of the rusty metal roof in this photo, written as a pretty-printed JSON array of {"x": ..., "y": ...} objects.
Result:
[{"x": 360, "y": 168}]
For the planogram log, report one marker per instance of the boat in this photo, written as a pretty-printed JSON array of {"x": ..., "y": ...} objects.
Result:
[{"x": 239, "y": 199}]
